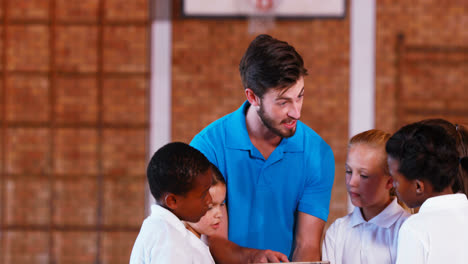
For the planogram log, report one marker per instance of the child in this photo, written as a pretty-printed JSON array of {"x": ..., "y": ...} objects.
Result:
[
  {"x": 368, "y": 234},
  {"x": 210, "y": 223},
  {"x": 179, "y": 178},
  {"x": 424, "y": 162}
]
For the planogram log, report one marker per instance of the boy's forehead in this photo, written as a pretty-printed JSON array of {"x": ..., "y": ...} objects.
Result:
[{"x": 204, "y": 179}]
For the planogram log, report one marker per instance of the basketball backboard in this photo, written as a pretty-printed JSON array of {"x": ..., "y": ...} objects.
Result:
[{"x": 294, "y": 9}]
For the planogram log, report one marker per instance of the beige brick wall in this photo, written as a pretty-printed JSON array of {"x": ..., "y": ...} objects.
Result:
[
  {"x": 73, "y": 129},
  {"x": 433, "y": 84},
  {"x": 74, "y": 106}
]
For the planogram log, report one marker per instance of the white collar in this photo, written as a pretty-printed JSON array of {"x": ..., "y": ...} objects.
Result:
[
  {"x": 384, "y": 219},
  {"x": 158, "y": 211},
  {"x": 443, "y": 202}
]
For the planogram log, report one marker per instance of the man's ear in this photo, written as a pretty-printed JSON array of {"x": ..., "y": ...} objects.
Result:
[
  {"x": 419, "y": 187},
  {"x": 253, "y": 99},
  {"x": 171, "y": 200}
]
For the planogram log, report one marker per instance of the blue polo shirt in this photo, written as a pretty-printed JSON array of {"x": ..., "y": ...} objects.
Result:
[{"x": 263, "y": 196}]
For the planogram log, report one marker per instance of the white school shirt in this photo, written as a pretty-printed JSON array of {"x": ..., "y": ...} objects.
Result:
[
  {"x": 353, "y": 240},
  {"x": 163, "y": 239},
  {"x": 438, "y": 233}
]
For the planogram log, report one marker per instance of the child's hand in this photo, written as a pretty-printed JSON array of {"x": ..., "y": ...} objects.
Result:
[{"x": 268, "y": 256}]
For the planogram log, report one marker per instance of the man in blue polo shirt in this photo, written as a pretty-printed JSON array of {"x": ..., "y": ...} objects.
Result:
[{"x": 279, "y": 172}]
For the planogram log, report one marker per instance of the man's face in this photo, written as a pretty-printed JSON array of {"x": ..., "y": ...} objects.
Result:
[
  {"x": 194, "y": 204},
  {"x": 280, "y": 109}
]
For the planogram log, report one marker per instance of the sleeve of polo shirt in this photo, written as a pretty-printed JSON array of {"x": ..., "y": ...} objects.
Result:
[
  {"x": 320, "y": 168},
  {"x": 204, "y": 146},
  {"x": 328, "y": 246}
]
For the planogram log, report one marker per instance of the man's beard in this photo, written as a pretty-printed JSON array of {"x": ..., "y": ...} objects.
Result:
[{"x": 269, "y": 123}]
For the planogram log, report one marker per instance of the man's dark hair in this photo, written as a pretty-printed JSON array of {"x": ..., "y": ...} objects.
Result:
[
  {"x": 425, "y": 152},
  {"x": 270, "y": 63},
  {"x": 173, "y": 168}
]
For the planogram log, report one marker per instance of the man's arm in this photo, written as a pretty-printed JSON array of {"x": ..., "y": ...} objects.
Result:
[
  {"x": 307, "y": 238},
  {"x": 227, "y": 252}
]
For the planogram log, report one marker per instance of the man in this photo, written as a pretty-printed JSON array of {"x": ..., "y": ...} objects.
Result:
[{"x": 279, "y": 172}]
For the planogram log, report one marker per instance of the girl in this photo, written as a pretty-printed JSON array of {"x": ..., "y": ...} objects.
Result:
[
  {"x": 368, "y": 234},
  {"x": 424, "y": 163},
  {"x": 210, "y": 223}
]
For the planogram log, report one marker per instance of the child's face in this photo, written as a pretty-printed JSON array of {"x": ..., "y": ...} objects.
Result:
[
  {"x": 405, "y": 189},
  {"x": 194, "y": 204},
  {"x": 209, "y": 223},
  {"x": 367, "y": 184}
]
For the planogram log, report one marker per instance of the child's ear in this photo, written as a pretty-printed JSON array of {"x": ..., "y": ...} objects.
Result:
[
  {"x": 419, "y": 187},
  {"x": 389, "y": 184},
  {"x": 170, "y": 200},
  {"x": 251, "y": 97}
]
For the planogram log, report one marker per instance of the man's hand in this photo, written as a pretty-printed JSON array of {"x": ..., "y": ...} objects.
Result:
[
  {"x": 228, "y": 252},
  {"x": 267, "y": 256}
]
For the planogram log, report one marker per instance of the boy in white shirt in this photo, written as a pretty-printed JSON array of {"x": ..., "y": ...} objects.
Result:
[
  {"x": 179, "y": 177},
  {"x": 424, "y": 162},
  {"x": 369, "y": 234}
]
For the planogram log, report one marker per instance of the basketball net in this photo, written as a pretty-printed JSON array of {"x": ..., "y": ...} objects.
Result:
[{"x": 261, "y": 15}]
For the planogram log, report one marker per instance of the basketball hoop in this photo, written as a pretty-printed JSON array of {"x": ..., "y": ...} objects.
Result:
[{"x": 261, "y": 15}]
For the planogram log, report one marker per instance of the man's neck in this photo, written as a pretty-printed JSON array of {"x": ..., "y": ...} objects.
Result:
[{"x": 260, "y": 136}]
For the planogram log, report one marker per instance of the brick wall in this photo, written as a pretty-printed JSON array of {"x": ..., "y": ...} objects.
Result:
[
  {"x": 73, "y": 135},
  {"x": 73, "y": 106},
  {"x": 425, "y": 75}
]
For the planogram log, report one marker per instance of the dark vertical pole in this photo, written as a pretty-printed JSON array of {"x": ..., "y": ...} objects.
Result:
[
  {"x": 52, "y": 126},
  {"x": 4, "y": 130},
  {"x": 100, "y": 176}
]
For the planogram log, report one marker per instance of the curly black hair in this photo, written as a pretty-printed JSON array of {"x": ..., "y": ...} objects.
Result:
[
  {"x": 425, "y": 151},
  {"x": 173, "y": 168},
  {"x": 460, "y": 134}
]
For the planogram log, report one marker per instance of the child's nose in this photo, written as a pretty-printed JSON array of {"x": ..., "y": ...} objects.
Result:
[
  {"x": 354, "y": 179},
  {"x": 218, "y": 213}
]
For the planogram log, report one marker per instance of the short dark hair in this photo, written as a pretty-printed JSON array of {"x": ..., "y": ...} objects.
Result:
[
  {"x": 270, "y": 63},
  {"x": 173, "y": 168},
  {"x": 425, "y": 152}
]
